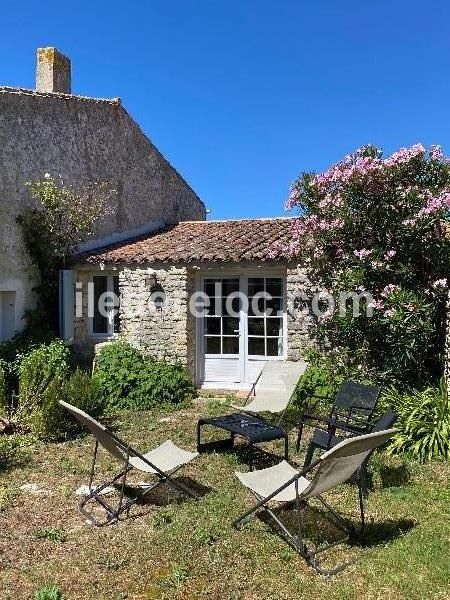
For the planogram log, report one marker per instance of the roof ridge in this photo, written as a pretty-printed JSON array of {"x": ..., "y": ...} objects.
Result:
[{"x": 6, "y": 89}]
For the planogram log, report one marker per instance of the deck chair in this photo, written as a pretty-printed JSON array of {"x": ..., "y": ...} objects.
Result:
[
  {"x": 324, "y": 440},
  {"x": 352, "y": 410},
  {"x": 284, "y": 484},
  {"x": 274, "y": 388},
  {"x": 161, "y": 463}
]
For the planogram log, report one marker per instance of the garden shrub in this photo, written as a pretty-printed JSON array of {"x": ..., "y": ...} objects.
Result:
[
  {"x": 13, "y": 450},
  {"x": 117, "y": 369},
  {"x": 162, "y": 383},
  {"x": 423, "y": 420},
  {"x": 316, "y": 382},
  {"x": 38, "y": 370},
  {"x": 53, "y": 422},
  {"x": 377, "y": 227},
  {"x": 127, "y": 379}
]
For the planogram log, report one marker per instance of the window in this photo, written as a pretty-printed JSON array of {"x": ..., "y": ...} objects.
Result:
[
  {"x": 265, "y": 316},
  {"x": 105, "y": 305}
]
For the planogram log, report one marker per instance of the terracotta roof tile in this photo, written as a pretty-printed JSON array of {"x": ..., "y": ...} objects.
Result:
[{"x": 190, "y": 241}]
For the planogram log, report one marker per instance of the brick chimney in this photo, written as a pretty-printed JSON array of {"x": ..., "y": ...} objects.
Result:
[{"x": 53, "y": 71}]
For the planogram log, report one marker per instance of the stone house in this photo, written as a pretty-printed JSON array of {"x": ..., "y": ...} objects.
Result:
[
  {"x": 158, "y": 277},
  {"x": 51, "y": 130}
]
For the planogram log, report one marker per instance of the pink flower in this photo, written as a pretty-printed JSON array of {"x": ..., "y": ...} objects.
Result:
[
  {"x": 390, "y": 312},
  {"x": 377, "y": 304},
  {"x": 390, "y": 254},
  {"x": 363, "y": 253},
  {"x": 436, "y": 152},
  {"x": 389, "y": 290},
  {"x": 440, "y": 283}
]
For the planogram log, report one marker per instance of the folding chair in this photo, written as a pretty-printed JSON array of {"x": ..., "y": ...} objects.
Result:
[
  {"x": 352, "y": 410},
  {"x": 162, "y": 463},
  {"x": 325, "y": 440},
  {"x": 284, "y": 484},
  {"x": 274, "y": 388}
]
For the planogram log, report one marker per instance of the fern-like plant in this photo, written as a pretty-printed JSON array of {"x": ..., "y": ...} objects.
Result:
[{"x": 424, "y": 422}]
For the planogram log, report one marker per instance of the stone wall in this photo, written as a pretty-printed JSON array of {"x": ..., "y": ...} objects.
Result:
[
  {"x": 300, "y": 324},
  {"x": 164, "y": 331},
  {"x": 83, "y": 140}
]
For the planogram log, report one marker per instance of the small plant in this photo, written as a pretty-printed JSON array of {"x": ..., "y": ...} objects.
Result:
[
  {"x": 7, "y": 496},
  {"x": 13, "y": 450},
  {"x": 48, "y": 533},
  {"x": 48, "y": 592},
  {"x": 424, "y": 422}
]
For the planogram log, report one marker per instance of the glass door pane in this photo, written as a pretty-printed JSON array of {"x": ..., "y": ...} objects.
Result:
[
  {"x": 265, "y": 316},
  {"x": 222, "y": 318}
]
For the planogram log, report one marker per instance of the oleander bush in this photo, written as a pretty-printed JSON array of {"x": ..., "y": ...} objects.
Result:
[
  {"x": 129, "y": 379},
  {"x": 377, "y": 228}
]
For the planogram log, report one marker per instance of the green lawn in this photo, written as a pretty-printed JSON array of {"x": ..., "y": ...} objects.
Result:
[{"x": 172, "y": 548}]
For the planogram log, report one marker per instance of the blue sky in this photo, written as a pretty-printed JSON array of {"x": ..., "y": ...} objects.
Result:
[{"x": 242, "y": 95}]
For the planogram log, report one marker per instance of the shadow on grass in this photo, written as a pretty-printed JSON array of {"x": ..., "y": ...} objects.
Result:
[
  {"x": 318, "y": 527},
  {"x": 394, "y": 476},
  {"x": 166, "y": 494}
]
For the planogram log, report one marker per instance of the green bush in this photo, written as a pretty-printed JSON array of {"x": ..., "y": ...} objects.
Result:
[
  {"x": 117, "y": 369},
  {"x": 423, "y": 420},
  {"x": 51, "y": 421},
  {"x": 13, "y": 450},
  {"x": 163, "y": 383},
  {"x": 316, "y": 382},
  {"x": 38, "y": 370},
  {"x": 36, "y": 333},
  {"x": 127, "y": 379}
]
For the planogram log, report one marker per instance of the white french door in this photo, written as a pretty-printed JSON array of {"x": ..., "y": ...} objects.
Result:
[{"x": 243, "y": 326}]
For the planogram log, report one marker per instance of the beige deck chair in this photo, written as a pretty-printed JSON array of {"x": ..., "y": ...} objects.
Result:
[
  {"x": 274, "y": 388},
  {"x": 284, "y": 484},
  {"x": 161, "y": 463}
]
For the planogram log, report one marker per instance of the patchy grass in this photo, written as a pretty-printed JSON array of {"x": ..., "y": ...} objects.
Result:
[{"x": 173, "y": 548}]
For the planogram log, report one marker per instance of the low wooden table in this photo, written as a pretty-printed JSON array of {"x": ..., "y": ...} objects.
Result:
[{"x": 251, "y": 428}]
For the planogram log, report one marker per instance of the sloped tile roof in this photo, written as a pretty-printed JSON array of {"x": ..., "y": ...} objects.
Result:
[{"x": 190, "y": 241}]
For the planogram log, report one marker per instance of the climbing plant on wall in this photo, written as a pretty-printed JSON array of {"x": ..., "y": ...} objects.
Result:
[{"x": 64, "y": 216}]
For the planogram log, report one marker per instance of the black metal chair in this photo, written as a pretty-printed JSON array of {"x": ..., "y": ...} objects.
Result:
[
  {"x": 352, "y": 410},
  {"x": 323, "y": 440}
]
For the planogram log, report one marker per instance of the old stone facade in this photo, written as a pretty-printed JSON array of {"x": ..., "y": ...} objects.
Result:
[
  {"x": 169, "y": 330},
  {"x": 83, "y": 140}
]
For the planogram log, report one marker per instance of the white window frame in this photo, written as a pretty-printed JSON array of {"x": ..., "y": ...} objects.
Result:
[{"x": 111, "y": 334}]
